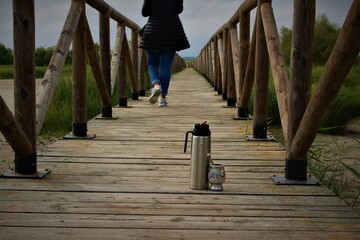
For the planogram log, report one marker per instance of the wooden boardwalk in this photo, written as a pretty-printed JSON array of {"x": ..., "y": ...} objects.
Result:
[{"x": 132, "y": 182}]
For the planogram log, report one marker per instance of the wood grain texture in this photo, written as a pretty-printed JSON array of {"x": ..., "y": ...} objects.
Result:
[{"x": 132, "y": 181}]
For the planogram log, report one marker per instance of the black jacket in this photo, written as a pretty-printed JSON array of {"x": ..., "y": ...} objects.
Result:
[{"x": 163, "y": 29}]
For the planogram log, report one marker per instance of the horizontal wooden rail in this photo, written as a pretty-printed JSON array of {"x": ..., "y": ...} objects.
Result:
[{"x": 102, "y": 6}]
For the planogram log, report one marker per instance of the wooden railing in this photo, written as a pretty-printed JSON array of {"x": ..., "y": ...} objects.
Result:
[
  {"x": 234, "y": 65},
  {"x": 22, "y": 129}
]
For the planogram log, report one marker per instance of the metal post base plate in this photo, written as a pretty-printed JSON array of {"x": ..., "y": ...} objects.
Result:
[
  {"x": 12, "y": 174},
  {"x": 226, "y": 106},
  {"x": 106, "y": 118},
  {"x": 242, "y": 118},
  {"x": 269, "y": 138},
  {"x": 71, "y": 136},
  {"x": 310, "y": 181},
  {"x": 118, "y": 106}
]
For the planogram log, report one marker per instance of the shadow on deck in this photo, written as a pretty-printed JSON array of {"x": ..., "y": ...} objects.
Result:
[{"x": 132, "y": 182}]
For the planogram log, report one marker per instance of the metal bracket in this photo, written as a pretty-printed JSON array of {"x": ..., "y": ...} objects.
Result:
[
  {"x": 269, "y": 138},
  {"x": 226, "y": 106},
  {"x": 127, "y": 106},
  {"x": 242, "y": 118},
  {"x": 310, "y": 181},
  {"x": 12, "y": 174},
  {"x": 71, "y": 136},
  {"x": 106, "y": 118}
]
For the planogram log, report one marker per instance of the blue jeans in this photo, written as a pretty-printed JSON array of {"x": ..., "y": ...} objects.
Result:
[{"x": 159, "y": 65}]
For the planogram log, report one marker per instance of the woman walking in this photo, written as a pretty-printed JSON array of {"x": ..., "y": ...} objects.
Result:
[{"x": 162, "y": 36}]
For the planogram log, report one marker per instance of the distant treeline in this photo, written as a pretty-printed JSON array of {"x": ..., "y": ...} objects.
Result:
[
  {"x": 325, "y": 35},
  {"x": 42, "y": 55}
]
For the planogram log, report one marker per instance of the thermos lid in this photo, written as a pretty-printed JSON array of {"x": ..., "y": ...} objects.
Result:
[{"x": 201, "y": 129}]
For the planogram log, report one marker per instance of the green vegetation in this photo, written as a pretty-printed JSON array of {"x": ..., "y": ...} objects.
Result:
[
  {"x": 347, "y": 104},
  {"x": 345, "y": 108},
  {"x": 6, "y": 56},
  {"x": 7, "y": 71},
  {"x": 58, "y": 120},
  {"x": 328, "y": 161},
  {"x": 325, "y": 35}
]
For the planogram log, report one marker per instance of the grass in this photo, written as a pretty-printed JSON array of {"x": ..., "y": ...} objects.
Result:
[
  {"x": 329, "y": 162},
  {"x": 7, "y": 72},
  {"x": 345, "y": 108},
  {"x": 58, "y": 120}
]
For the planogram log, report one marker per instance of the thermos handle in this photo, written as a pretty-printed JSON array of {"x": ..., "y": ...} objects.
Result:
[{"x": 186, "y": 139}]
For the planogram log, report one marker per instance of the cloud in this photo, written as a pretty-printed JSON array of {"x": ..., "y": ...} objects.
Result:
[
  {"x": 201, "y": 18},
  {"x": 49, "y": 20}
]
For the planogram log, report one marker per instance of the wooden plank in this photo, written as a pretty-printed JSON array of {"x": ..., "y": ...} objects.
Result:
[
  {"x": 177, "y": 198},
  {"x": 124, "y": 221},
  {"x": 157, "y": 161},
  {"x": 186, "y": 210},
  {"x": 165, "y": 187},
  {"x": 71, "y": 233},
  {"x": 132, "y": 182}
]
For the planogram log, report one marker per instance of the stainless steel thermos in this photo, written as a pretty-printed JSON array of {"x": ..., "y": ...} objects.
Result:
[{"x": 200, "y": 148}]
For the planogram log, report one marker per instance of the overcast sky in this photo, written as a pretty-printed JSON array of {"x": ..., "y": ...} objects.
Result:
[{"x": 201, "y": 18}]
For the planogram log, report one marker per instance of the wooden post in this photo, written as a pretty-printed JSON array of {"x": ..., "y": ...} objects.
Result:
[
  {"x": 122, "y": 75},
  {"x": 277, "y": 61},
  {"x": 213, "y": 67},
  {"x": 235, "y": 50},
  {"x": 222, "y": 64},
  {"x": 225, "y": 73},
  {"x": 141, "y": 72},
  {"x": 24, "y": 81},
  {"x": 135, "y": 58},
  {"x": 104, "y": 25},
  {"x": 210, "y": 64},
  {"x": 207, "y": 63},
  {"x": 261, "y": 81},
  {"x": 131, "y": 71},
  {"x": 204, "y": 62},
  {"x": 217, "y": 66},
  {"x": 231, "y": 88},
  {"x": 300, "y": 82},
  {"x": 243, "y": 111},
  {"x": 341, "y": 59},
  {"x": 52, "y": 75},
  {"x": 96, "y": 69},
  {"x": 115, "y": 60},
  {"x": 244, "y": 43},
  {"x": 79, "y": 113}
]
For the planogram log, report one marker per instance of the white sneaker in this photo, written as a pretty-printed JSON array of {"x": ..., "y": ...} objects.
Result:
[
  {"x": 155, "y": 93},
  {"x": 163, "y": 102}
]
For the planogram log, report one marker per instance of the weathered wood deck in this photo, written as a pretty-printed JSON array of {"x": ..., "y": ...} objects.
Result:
[{"x": 132, "y": 182}]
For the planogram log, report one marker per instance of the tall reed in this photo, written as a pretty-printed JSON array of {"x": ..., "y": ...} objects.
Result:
[
  {"x": 329, "y": 161},
  {"x": 58, "y": 120}
]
